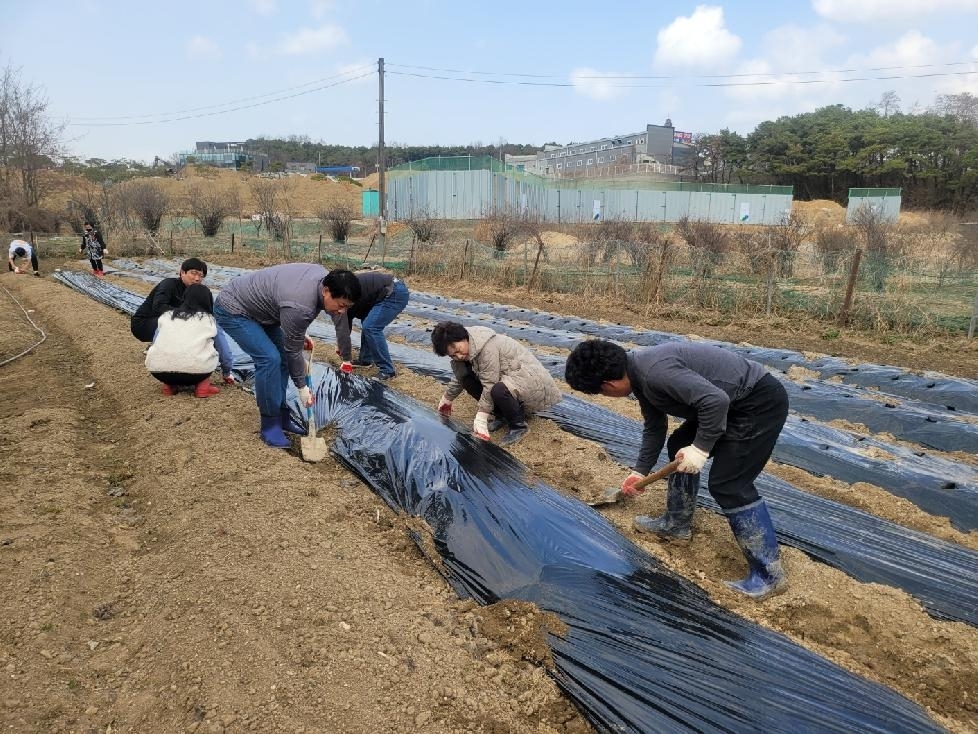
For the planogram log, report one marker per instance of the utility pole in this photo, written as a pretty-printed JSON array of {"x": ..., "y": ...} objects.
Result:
[{"x": 381, "y": 168}]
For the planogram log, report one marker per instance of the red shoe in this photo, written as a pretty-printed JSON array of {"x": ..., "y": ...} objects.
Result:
[
  {"x": 100, "y": 273},
  {"x": 205, "y": 389},
  {"x": 170, "y": 390}
]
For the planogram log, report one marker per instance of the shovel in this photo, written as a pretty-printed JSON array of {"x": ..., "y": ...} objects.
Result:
[
  {"x": 313, "y": 447},
  {"x": 612, "y": 495}
]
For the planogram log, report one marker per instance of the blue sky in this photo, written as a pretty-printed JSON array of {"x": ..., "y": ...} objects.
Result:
[{"x": 136, "y": 80}]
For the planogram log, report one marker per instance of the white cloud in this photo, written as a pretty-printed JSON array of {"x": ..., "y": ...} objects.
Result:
[
  {"x": 264, "y": 7},
  {"x": 201, "y": 47},
  {"x": 910, "y": 49},
  {"x": 596, "y": 84},
  {"x": 974, "y": 52},
  {"x": 700, "y": 39},
  {"x": 870, "y": 11},
  {"x": 365, "y": 69},
  {"x": 312, "y": 40}
]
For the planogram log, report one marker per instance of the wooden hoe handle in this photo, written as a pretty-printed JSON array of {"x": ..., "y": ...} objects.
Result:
[{"x": 664, "y": 472}]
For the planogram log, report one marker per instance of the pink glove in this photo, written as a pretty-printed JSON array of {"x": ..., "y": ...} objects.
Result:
[
  {"x": 445, "y": 406},
  {"x": 628, "y": 486},
  {"x": 229, "y": 380},
  {"x": 346, "y": 368},
  {"x": 307, "y": 344}
]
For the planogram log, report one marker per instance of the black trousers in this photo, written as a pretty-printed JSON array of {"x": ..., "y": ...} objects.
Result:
[
  {"x": 180, "y": 379},
  {"x": 754, "y": 423},
  {"x": 507, "y": 406},
  {"x": 143, "y": 329},
  {"x": 96, "y": 263}
]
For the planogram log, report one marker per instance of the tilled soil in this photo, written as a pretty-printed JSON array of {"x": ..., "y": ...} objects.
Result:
[{"x": 164, "y": 571}]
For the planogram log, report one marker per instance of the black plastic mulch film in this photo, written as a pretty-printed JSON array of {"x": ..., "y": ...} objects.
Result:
[{"x": 646, "y": 650}]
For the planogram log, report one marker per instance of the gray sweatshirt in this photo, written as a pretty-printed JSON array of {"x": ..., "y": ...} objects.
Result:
[
  {"x": 285, "y": 295},
  {"x": 687, "y": 380}
]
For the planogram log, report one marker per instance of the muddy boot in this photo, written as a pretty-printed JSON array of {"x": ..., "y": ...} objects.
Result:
[
  {"x": 205, "y": 389},
  {"x": 515, "y": 433},
  {"x": 754, "y": 531},
  {"x": 271, "y": 432},
  {"x": 677, "y": 522},
  {"x": 495, "y": 424}
]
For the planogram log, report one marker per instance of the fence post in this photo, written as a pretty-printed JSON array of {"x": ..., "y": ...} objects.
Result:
[
  {"x": 850, "y": 287},
  {"x": 770, "y": 283},
  {"x": 974, "y": 318},
  {"x": 232, "y": 243},
  {"x": 320, "y": 247}
]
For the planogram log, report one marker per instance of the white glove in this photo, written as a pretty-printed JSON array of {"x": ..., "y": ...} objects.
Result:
[
  {"x": 305, "y": 397},
  {"x": 691, "y": 459},
  {"x": 105, "y": 251},
  {"x": 16, "y": 270},
  {"x": 445, "y": 406},
  {"x": 480, "y": 426}
]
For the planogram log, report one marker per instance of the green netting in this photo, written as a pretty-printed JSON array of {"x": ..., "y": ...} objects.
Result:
[
  {"x": 487, "y": 163},
  {"x": 873, "y": 193}
]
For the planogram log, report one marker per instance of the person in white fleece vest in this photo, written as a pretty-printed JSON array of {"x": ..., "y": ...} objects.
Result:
[{"x": 183, "y": 352}]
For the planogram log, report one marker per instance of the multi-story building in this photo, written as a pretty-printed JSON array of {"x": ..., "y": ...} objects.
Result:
[
  {"x": 224, "y": 155},
  {"x": 658, "y": 145}
]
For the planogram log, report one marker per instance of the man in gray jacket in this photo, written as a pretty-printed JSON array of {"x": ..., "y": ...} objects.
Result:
[
  {"x": 267, "y": 313},
  {"x": 733, "y": 410}
]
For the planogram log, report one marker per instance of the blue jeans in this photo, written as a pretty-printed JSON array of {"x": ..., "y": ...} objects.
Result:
[
  {"x": 265, "y": 346},
  {"x": 373, "y": 345}
]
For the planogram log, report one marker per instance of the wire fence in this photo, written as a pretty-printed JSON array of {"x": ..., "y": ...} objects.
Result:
[{"x": 934, "y": 290}]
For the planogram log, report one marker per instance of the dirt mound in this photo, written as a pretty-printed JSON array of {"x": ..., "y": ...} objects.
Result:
[{"x": 820, "y": 212}]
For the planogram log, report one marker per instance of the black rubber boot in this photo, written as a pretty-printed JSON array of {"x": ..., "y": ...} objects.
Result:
[
  {"x": 677, "y": 522},
  {"x": 754, "y": 531},
  {"x": 515, "y": 433}
]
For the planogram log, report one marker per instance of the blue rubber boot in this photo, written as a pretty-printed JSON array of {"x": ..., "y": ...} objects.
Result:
[
  {"x": 677, "y": 523},
  {"x": 754, "y": 531},
  {"x": 271, "y": 432},
  {"x": 290, "y": 424}
]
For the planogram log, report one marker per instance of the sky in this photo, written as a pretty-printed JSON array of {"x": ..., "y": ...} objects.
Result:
[{"x": 137, "y": 80}]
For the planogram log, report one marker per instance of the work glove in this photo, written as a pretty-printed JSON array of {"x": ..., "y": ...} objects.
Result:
[
  {"x": 16, "y": 270},
  {"x": 307, "y": 344},
  {"x": 480, "y": 426},
  {"x": 228, "y": 379},
  {"x": 445, "y": 406},
  {"x": 305, "y": 397},
  {"x": 346, "y": 368},
  {"x": 105, "y": 251},
  {"x": 628, "y": 486},
  {"x": 691, "y": 459}
]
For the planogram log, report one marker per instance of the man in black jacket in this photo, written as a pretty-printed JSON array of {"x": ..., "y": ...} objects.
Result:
[
  {"x": 166, "y": 295},
  {"x": 382, "y": 298}
]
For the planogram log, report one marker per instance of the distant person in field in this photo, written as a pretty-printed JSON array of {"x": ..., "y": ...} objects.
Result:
[
  {"x": 183, "y": 352},
  {"x": 267, "y": 313},
  {"x": 167, "y": 295},
  {"x": 382, "y": 298},
  {"x": 732, "y": 409},
  {"x": 505, "y": 378},
  {"x": 93, "y": 246},
  {"x": 22, "y": 249}
]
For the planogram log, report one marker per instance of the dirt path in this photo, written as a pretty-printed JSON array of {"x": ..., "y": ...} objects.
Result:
[{"x": 164, "y": 571}]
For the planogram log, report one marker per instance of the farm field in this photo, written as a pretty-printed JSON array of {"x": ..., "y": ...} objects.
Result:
[{"x": 164, "y": 571}]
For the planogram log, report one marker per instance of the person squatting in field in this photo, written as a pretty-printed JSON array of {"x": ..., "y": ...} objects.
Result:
[
  {"x": 183, "y": 352},
  {"x": 733, "y": 410},
  {"x": 500, "y": 373},
  {"x": 267, "y": 313},
  {"x": 382, "y": 298},
  {"x": 169, "y": 294}
]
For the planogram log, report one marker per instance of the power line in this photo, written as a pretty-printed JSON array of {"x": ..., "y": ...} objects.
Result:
[
  {"x": 772, "y": 82},
  {"x": 134, "y": 119}
]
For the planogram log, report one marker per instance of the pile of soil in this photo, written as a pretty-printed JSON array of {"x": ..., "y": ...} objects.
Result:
[{"x": 165, "y": 571}]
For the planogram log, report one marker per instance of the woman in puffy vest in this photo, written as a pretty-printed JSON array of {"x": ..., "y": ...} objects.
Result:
[{"x": 183, "y": 353}]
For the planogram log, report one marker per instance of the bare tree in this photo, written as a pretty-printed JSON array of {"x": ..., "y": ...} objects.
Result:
[
  {"x": 337, "y": 218},
  {"x": 29, "y": 140},
  {"x": 271, "y": 200},
  {"x": 708, "y": 244},
  {"x": 501, "y": 226},
  {"x": 424, "y": 226},
  {"x": 889, "y": 104},
  {"x": 881, "y": 249},
  {"x": 148, "y": 203},
  {"x": 210, "y": 208}
]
